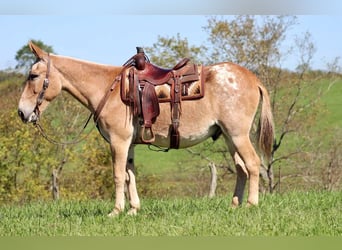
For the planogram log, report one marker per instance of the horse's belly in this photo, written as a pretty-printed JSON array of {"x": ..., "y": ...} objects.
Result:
[
  {"x": 195, "y": 124},
  {"x": 187, "y": 138}
]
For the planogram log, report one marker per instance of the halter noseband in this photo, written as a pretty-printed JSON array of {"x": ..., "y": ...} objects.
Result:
[{"x": 41, "y": 94}]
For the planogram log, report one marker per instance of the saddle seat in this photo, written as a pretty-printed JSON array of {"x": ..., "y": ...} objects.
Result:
[{"x": 157, "y": 75}]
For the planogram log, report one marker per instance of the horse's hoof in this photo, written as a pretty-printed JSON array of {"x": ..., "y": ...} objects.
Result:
[
  {"x": 235, "y": 202},
  {"x": 132, "y": 211},
  {"x": 252, "y": 204},
  {"x": 114, "y": 213}
]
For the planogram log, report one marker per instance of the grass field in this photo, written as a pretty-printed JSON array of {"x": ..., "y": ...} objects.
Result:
[{"x": 295, "y": 214}]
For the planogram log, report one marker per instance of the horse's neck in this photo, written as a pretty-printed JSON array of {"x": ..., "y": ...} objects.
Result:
[{"x": 86, "y": 81}]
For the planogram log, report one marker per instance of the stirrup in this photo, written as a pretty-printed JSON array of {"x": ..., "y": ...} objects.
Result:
[{"x": 147, "y": 140}]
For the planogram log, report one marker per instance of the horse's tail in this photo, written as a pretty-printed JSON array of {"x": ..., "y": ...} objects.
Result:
[{"x": 266, "y": 125}]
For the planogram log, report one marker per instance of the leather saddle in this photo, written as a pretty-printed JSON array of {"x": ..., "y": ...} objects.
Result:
[{"x": 145, "y": 85}]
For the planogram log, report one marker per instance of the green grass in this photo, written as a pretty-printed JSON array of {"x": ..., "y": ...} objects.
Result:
[
  {"x": 333, "y": 101},
  {"x": 159, "y": 162},
  {"x": 295, "y": 214}
]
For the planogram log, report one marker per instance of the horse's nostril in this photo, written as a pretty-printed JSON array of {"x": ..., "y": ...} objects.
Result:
[{"x": 21, "y": 115}]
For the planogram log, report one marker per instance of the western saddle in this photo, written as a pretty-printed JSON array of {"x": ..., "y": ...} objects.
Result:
[{"x": 144, "y": 86}]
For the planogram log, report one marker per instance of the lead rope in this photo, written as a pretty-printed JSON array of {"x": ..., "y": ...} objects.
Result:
[
  {"x": 76, "y": 140},
  {"x": 157, "y": 148}
]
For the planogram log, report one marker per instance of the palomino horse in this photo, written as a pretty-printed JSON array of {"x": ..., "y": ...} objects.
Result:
[{"x": 232, "y": 95}]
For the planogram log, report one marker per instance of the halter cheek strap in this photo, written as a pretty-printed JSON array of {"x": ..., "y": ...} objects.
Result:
[{"x": 41, "y": 94}]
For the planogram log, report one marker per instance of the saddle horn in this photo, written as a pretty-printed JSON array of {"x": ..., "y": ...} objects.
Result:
[{"x": 140, "y": 59}]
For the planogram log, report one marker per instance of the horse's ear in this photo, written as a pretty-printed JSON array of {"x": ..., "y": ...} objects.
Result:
[{"x": 38, "y": 52}]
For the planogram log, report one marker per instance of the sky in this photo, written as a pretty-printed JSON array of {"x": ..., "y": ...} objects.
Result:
[{"x": 112, "y": 38}]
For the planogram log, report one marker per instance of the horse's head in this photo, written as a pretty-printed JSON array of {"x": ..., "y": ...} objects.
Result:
[{"x": 41, "y": 87}]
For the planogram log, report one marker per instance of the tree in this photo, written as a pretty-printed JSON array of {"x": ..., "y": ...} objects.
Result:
[
  {"x": 167, "y": 52},
  {"x": 25, "y": 58},
  {"x": 250, "y": 41}
]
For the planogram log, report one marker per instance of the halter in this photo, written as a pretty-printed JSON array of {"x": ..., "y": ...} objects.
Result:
[
  {"x": 46, "y": 83},
  {"x": 36, "y": 110}
]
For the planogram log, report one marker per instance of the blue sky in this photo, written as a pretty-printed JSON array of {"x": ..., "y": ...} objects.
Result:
[{"x": 111, "y": 39}]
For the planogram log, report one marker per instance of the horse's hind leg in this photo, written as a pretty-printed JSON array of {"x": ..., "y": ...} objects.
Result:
[
  {"x": 241, "y": 173},
  {"x": 241, "y": 178},
  {"x": 251, "y": 162},
  {"x": 131, "y": 184}
]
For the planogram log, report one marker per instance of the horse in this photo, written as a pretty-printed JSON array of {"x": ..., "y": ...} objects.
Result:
[{"x": 229, "y": 106}]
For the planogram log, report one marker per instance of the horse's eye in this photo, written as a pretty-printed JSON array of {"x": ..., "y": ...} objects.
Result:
[{"x": 32, "y": 76}]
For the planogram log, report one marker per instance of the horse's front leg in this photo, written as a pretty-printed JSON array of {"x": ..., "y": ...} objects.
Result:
[
  {"x": 131, "y": 184},
  {"x": 119, "y": 151}
]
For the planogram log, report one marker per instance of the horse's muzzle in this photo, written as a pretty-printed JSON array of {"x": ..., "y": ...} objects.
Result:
[{"x": 32, "y": 117}]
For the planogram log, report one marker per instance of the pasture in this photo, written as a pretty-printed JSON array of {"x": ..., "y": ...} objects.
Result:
[{"x": 291, "y": 214}]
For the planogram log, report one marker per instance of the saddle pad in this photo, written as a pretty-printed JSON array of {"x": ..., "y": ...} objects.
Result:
[{"x": 190, "y": 90}]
